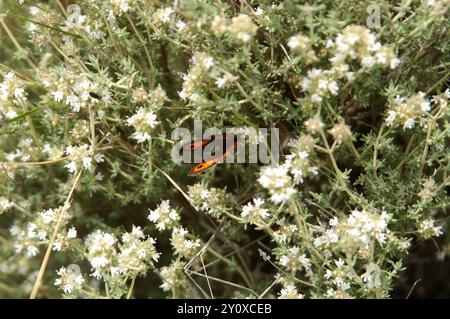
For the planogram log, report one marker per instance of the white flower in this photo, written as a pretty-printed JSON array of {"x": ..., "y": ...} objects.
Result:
[
  {"x": 254, "y": 212},
  {"x": 225, "y": 80},
  {"x": 293, "y": 42},
  {"x": 100, "y": 251},
  {"x": 74, "y": 21},
  {"x": 48, "y": 216},
  {"x": 285, "y": 233},
  {"x": 72, "y": 233},
  {"x": 278, "y": 183},
  {"x": 143, "y": 122},
  {"x": 409, "y": 111},
  {"x": 57, "y": 96},
  {"x": 242, "y": 28},
  {"x": 181, "y": 244},
  {"x": 333, "y": 88},
  {"x": 99, "y": 262},
  {"x": 81, "y": 156},
  {"x": 364, "y": 225},
  {"x": 57, "y": 245},
  {"x": 392, "y": 115},
  {"x": 409, "y": 123},
  {"x": 32, "y": 251},
  {"x": 5, "y": 205},
  {"x": 334, "y": 222},
  {"x": 294, "y": 260},
  {"x": 163, "y": 15},
  {"x": 74, "y": 102},
  {"x": 425, "y": 106},
  {"x": 427, "y": 228},
  {"x": 368, "y": 61},
  {"x": 172, "y": 276},
  {"x": 289, "y": 291},
  {"x": 19, "y": 93},
  {"x": 69, "y": 281},
  {"x": 394, "y": 63},
  {"x": 136, "y": 253},
  {"x": 42, "y": 235},
  {"x": 164, "y": 217}
]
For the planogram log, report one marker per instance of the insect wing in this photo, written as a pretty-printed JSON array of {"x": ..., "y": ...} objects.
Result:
[
  {"x": 195, "y": 145},
  {"x": 197, "y": 169}
]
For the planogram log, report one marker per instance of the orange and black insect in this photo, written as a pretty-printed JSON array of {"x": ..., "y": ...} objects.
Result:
[{"x": 229, "y": 143}]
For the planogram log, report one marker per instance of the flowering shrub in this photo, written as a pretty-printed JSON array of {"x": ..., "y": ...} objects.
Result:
[{"x": 92, "y": 205}]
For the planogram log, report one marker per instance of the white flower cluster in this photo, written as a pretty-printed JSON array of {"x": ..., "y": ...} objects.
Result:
[
  {"x": 353, "y": 43},
  {"x": 302, "y": 46},
  {"x": 408, "y": 112},
  {"x": 69, "y": 281},
  {"x": 11, "y": 92},
  {"x": 286, "y": 232},
  {"x": 289, "y": 291},
  {"x": 357, "y": 232},
  {"x": 75, "y": 20},
  {"x": 338, "y": 280},
  {"x": 172, "y": 276},
  {"x": 341, "y": 132},
  {"x": 298, "y": 161},
  {"x": 314, "y": 125},
  {"x": 241, "y": 28},
  {"x": 74, "y": 23},
  {"x": 81, "y": 157},
  {"x": 182, "y": 245},
  {"x": 123, "y": 6},
  {"x": 133, "y": 255},
  {"x": 201, "y": 70},
  {"x": 40, "y": 230},
  {"x": 338, "y": 294},
  {"x": 25, "y": 151},
  {"x": 136, "y": 252},
  {"x": 162, "y": 16},
  {"x": 438, "y": 7},
  {"x": 81, "y": 129},
  {"x": 164, "y": 216},
  {"x": 73, "y": 90},
  {"x": 144, "y": 121},
  {"x": 249, "y": 135},
  {"x": 255, "y": 213},
  {"x": 225, "y": 80},
  {"x": 101, "y": 252},
  {"x": 358, "y": 43},
  {"x": 293, "y": 260},
  {"x": 278, "y": 182},
  {"x": 154, "y": 98},
  {"x": 320, "y": 84},
  {"x": 5, "y": 205},
  {"x": 427, "y": 229},
  {"x": 366, "y": 226},
  {"x": 212, "y": 200}
]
